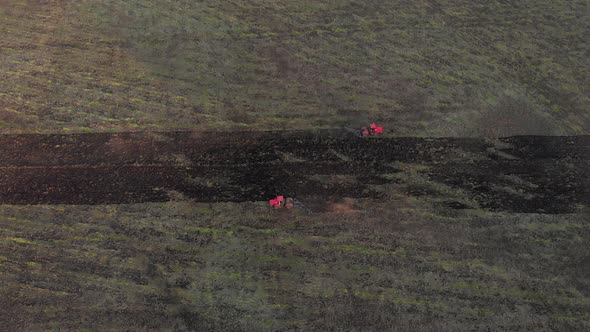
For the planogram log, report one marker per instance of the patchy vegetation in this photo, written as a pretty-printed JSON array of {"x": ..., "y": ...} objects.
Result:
[
  {"x": 426, "y": 256},
  {"x": 418, "y": 67},
  {"x": 406, "y": 262}
]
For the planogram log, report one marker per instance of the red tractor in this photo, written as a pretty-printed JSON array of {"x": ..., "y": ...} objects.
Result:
[
  {"x": 372, "y": 130},
  {"x": 280, "y": 202}
]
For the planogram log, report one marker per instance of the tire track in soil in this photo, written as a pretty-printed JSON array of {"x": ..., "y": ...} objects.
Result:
[{"x": 524, "y": 174}]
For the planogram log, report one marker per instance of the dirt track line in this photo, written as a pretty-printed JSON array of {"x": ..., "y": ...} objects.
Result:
[
  {"x": 164, "y": 165},
  {"x": 84, "y": 166}
]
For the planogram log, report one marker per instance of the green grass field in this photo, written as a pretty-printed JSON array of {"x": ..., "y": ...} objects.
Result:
[
  {"x": 181, "y": 266},
  {"x": 419, "y": 67},
  {"x": 402, "y": 263}
]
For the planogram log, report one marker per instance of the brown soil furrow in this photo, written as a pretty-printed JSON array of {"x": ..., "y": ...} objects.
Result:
[{"x": 521, "y": 174}]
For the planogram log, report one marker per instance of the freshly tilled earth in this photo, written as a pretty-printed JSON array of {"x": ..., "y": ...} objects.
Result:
[{"x": 516, "y": 174}]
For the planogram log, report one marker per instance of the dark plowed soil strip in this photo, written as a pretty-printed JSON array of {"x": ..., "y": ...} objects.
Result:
[
  {"x": 522, "y": 174},
  {"x": 218, "y": 148},
  {"x": 538, "y": 185}
]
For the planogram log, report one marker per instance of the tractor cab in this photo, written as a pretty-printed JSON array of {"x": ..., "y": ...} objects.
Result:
[
  {"x": 277, "y": 202},
  {"x": 372, "y": 130}
]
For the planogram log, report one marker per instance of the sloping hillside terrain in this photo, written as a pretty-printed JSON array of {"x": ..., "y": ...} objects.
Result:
[
  {"x": 432, "y": 67},
  {"x": 141, "y": 139}
]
